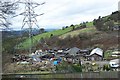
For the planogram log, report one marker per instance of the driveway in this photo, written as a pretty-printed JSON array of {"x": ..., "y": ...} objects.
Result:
[{"x": 101, "y": 63}]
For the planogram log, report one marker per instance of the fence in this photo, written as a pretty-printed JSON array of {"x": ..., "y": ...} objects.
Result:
[{"x": 111, "y": 74}]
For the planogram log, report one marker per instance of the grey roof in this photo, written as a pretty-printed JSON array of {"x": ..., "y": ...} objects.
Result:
[{"x": 73, "y": 51}]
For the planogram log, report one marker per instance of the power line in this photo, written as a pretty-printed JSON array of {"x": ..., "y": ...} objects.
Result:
[
  {"x": 56, "y": 8},
  {"x": 30, "y": 17}
]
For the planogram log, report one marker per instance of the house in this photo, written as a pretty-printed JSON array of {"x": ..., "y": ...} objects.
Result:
[
  {"x": 96, "y": 54},
  {"x": 72, "y": 54},
  {"x": 85, "y": 54},
  {"x": 73, "y": 51}
]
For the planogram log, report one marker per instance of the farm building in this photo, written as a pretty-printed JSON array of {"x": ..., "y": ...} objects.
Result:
[{"x": 96, "y": 54}]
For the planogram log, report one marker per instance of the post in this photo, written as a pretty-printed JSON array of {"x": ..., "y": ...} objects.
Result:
[{"x": 0, "y": 55}]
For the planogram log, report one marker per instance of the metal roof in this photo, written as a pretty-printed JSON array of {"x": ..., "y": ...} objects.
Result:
[{"x": 97, "y": 51}]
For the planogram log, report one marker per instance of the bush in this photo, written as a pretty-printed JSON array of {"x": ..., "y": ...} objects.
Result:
[
  {"x": 106, "y": 67},
  {"x": 77, "y": 68},
  {"x": 84, "y": 36}
]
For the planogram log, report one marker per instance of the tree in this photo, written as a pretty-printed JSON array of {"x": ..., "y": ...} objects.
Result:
[
  {"x": 66, "y": 27},
  {"x": 84, "y": 25},
  {"x": 72, "y": 26},
  {"x": 115, "y": 16},
  {"x": 94, "y": 22},
  {"x": 110, "y": 24},
  {"x": 51, "y": 35},
  {"x": 7, "y": 8},
  {"x": 42, "y": 30},
  {"x": 25, "y": 33},
  {"x": 99, "y": 17},
  {"x": 63, "y": 28},
  {"x": 99, "y": 23}
]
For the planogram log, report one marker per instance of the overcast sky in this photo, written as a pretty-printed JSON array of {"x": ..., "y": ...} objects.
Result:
[{"x": 59, "y": 13}]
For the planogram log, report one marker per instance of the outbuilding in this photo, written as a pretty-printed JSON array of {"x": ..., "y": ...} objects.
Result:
[{"x": 96, "y": 54}]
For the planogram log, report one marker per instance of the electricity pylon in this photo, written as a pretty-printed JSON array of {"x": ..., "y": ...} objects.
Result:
[{"x": 30, "y": 18}]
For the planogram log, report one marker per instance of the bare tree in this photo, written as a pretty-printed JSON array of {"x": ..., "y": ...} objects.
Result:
[{"x": 7, "y": 8}]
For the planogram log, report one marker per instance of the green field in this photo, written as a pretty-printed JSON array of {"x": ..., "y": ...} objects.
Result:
[
  {"x": 35, "y": 39},
  {"x": 77, "y": 32}
]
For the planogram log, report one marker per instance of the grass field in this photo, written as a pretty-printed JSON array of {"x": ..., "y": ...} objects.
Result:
[
  {"x": 35, "y": 39},
  {"x": 77, "y": 32}
]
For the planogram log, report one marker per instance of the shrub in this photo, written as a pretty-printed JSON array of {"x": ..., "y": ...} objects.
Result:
[
  {"x": 106, "y": 67},
  {"x": 84, "y": 36}
]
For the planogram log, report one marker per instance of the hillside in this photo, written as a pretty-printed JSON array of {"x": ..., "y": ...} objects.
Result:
[
  {"x": 86, "y": 38},
  {"x": 90, "y": 29},
  {"x": 37, "y": 38}
]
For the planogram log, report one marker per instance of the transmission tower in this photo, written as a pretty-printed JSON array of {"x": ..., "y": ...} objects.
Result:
[{"x": 30, "y": 18}]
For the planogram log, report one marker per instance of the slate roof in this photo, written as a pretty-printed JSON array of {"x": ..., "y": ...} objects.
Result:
[{"x": 73, "y": 51}]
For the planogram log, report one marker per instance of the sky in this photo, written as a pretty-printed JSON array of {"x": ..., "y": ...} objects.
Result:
[{"x": 59, "y": 13}]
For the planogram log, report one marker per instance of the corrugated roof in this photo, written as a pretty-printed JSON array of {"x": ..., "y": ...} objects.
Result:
[{"x": 97, "y": 51}]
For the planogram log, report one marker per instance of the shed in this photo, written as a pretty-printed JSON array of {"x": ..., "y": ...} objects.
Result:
[{"x": 96, "y": 54}]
